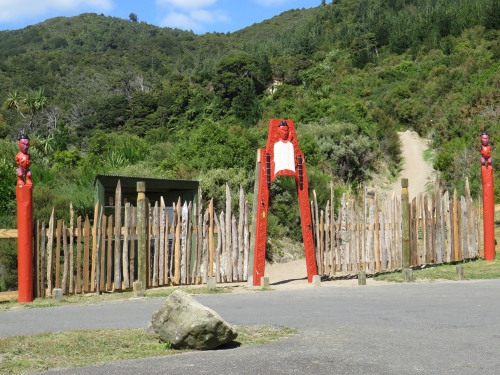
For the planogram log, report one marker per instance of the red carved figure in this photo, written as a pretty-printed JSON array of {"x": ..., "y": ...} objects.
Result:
[
  {"x": 485, "y": 150},
  {"x": 23, "y": 160}
]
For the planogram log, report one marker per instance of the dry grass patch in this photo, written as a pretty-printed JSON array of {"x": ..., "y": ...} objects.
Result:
[
  {"x": 473, "y": 270},
  {"x": 31, "y": 353},
  {"x": 91, "y": 298}
]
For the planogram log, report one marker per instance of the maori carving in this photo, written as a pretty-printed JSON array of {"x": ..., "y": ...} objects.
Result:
[
  {"x": 282, "y": 157},
  {"x": 23, "y": 160},
  {"x": 485, "y": 150}
]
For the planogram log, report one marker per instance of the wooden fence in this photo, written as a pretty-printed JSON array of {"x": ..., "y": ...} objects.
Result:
[
  {"x": 187, "y": 243},
  {"x": 369, "y": 237}
]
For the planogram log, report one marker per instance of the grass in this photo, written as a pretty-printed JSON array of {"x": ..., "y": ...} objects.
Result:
[
  {"x": 91, "y": 298},
  {"x": 473, "y": 270},
  {"x": 32, "y": 353}
]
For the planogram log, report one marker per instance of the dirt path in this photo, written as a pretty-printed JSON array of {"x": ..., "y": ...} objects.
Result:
[{"x": 415, "y": 168}]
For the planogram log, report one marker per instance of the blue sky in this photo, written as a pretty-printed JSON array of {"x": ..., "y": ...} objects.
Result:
[{"x": 198, "y": 15}]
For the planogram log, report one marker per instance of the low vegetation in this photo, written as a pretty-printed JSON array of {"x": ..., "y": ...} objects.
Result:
[
  {"x": 473, "y": 270},
  {"x": 40, "y": 352},
  {"x": 91, "y": 298}
]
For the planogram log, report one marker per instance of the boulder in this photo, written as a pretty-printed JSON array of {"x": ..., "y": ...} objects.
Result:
[{"x": 186, "y": 323}]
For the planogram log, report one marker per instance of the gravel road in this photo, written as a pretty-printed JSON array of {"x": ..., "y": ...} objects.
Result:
[{"x": 415, "y": 168}]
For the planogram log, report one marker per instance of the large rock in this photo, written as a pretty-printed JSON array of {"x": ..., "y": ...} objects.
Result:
[{"x": 186, "y": 323}]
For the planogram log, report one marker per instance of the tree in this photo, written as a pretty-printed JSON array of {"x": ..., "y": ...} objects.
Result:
[
  {"x": 27, "y": 106},
  {"x": 323, "y": 2},
  {"x": 133, "y": 17},
  {"x": 232, "y": 70},
  {"x": 246, "y": 106}
]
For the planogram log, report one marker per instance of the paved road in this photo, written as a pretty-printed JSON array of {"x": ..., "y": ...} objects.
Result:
[{"x": 435, "y": 328}]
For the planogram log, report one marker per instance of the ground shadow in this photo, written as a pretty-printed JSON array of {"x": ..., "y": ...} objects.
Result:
[
  {"x": 229, "y": 345},
  {"x": 288, "y": 281}
]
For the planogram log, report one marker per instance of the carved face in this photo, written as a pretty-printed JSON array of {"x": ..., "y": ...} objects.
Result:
[
  {"x": 485, "y": 139},
  {"x": 24, "y": 145},
  {"x": 284, "y": 132}
]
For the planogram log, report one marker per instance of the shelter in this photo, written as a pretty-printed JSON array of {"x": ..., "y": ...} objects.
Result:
[{"x": 169, "y": 189}]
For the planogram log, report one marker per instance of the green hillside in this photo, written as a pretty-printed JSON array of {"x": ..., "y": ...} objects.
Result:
[{"x": 125, "y": 97}]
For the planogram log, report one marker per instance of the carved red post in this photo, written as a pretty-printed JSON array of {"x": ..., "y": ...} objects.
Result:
[
  {"x": 24, "y": 199},
  {"x": 488, "y": 198},
  {"x": 282, "y": 157}
]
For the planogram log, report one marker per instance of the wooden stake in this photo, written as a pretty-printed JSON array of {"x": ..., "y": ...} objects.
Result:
[
  {"x": 118, "y": 235},
  {"x": 79, "y": 254},
  {"x": 71, "y": 250}
]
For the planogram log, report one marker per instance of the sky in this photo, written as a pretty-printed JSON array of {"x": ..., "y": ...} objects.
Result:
[{"x": 201, "y": 16}]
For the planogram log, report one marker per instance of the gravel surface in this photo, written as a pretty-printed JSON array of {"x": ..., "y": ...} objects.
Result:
[{"x": 415, "y": 168}]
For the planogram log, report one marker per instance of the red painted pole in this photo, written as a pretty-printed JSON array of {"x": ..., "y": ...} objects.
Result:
[
  {"x": 488, "y": 198},
  {"x": 488, "y": 213},
  {"x": 24, "y": 222},
  {"x": 24, "y": 242}
]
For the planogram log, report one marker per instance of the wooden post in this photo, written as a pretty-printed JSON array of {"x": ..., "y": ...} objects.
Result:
[
  {"x": 161, "y": 257},
  {"x": 222, "y": 238},
  {"x": 218, "y": 250},
  {"x": 142, "y": 249},
  {"x": 326, "y": 263},
  {"x": 205, "y": 246},
  {"x": 66, "y": 259},
  {"x": 71, "y": 250},
  {"x": 156, "y": 233},
  {"x": 188, "y": 243},
  {"x": 102, "y": 272},
  {"x": 86, "y": 254},
  {"x": 43, "y": 260},
  {"x": 125, "y": 253},
  {"x": 251, "y": 250},
  {"x": 118, "y": 235},
  {"x": 332, "y": 229},
  {"x": 246, "y": 235},
  {"x": 177, "y": 252},
  {"x": 78, "y": 255},
  {"x": 321, "y": 243},
  {"x": 414, "y": 232},
  {"x": 240, "y": 234},
  {"x": 184, "y": 235},
  {"x": 109, "y": 258},
  {"x": 95, "y": 229},
  {"x": 343, "y": 235},
  {"x": 210, "y": 238},
  {"x": 439, "y": 229},
  {"x": 98, "y": 250},
  {"x": 316, "y": 230},
  {"x": 36, "y": 258},
  {"x": 50, "y": 245},
  {"x": 228, "y": 235},
  {"x": 234, "y": 258},
  {"x": 405, "y": 211},
  {"x": 456, "y": 241},
  {"x": 383, "y": 249},
  {"x": 199, "y": 237},
  {"x": 364, "y": 240},
  {"x": 369, "y": 240},
  {"x": 376, "y": 239},
  {"x": 58, "y": 254}
]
